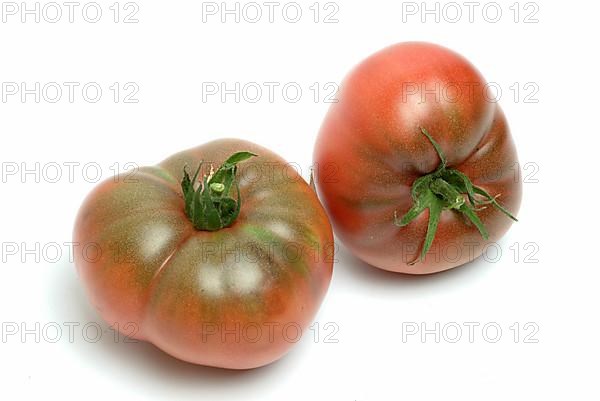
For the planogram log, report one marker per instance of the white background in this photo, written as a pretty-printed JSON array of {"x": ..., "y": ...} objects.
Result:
[{"x": 169, "y": 54}]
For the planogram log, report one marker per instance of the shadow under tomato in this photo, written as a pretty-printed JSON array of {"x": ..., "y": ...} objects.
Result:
[
  {"x": 349, "y": 268},
  {"x": 138, "y": 361}
]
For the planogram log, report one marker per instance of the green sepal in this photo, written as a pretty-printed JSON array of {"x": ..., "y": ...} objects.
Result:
[
  {"x": 210, "y": 207},
  {"x": 446, "y": 189}
]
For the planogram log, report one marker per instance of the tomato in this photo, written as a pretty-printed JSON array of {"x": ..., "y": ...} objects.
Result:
[
  {"x": 223, "y": 269},
  {"x": 416, "y": 166}
]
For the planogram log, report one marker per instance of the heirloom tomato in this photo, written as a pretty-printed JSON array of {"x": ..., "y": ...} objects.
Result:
[
  {"x": 416, "y": 165},
  {"x": 222, "y": 265}
]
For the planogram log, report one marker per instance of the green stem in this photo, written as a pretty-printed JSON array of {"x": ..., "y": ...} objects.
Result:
[
  {"x": 208, "y": 205},
  {"x": 453, "y": 199},
  {"x": 446, "y": 189}
]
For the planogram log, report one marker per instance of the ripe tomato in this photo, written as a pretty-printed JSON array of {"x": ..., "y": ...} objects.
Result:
[
  {"x": 223, "y": 271},
  {"x": 416, "y": 165}
]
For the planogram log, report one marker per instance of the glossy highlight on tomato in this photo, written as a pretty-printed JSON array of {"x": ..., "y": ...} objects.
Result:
[
  {"x": 416, "y": 165},
  {"x": 181, "y": 266}
]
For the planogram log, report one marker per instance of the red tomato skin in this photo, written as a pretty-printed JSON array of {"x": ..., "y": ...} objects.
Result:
[
  {"x": 370, "y": 150},
  {"x": 192, "y": 293}
]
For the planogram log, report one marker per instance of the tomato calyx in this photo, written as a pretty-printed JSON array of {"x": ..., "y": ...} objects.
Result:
[
  {"x": 207, "y": 202},
  {"x": 445, "y": 189}
]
